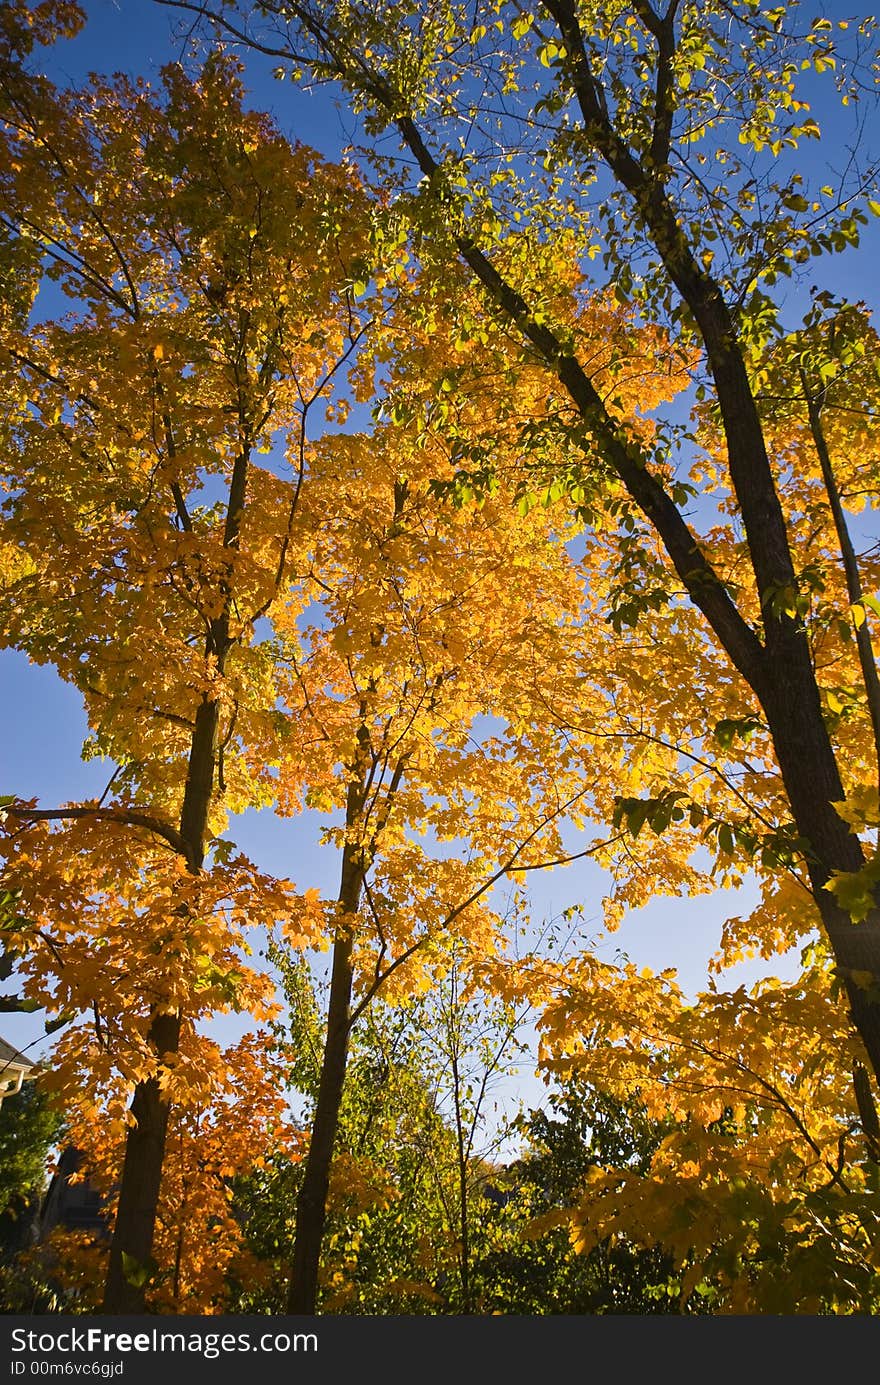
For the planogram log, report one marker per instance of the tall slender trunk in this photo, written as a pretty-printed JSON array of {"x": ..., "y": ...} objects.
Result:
[
  {"x": 311, "y": 1204},
  {"x": 812, "y": 784},
  {"x": 132, "y": 1242},
  {"x": 464, "y": 1251}
]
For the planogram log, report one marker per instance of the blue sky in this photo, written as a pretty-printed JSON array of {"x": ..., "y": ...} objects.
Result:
[{"x": 43, "y": 720}]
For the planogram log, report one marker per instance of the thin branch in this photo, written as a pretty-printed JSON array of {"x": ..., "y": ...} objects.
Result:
[
  {"x": 509, "y": 867},
  {"x": 850, "y": 562}
]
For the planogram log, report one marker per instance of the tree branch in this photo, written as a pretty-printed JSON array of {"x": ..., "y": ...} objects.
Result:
[{"x": 125, "y": 816}]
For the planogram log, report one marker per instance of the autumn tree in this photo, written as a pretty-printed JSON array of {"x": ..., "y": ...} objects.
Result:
[
  {"x": 412, "y": 1219},
  {"x": 142, "y": 539},
  {"x": 417, "y": 663},
  {"x": 667, "y": 142},
  {"x": 512, "y": 606}
]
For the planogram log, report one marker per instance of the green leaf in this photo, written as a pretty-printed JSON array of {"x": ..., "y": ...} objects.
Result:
[
  {"x": 135, "y": 1273},
  {"x": 854, "y": 890},
  {"x": 222, "y": 850},
  {"x": 730, "y": 729}
]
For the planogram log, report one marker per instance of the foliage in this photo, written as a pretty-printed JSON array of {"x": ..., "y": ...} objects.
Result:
[
  {"x": 29, "y": 1128},
  {"x": 386, "y": 1241},
  {"x": 528, "y": 1268},
  {"x": 663, "y": 147},
  {"x": 764, "y": 1189},
  {"x": 212, "y": 1142},
  {"x": 581, "y": 585}
]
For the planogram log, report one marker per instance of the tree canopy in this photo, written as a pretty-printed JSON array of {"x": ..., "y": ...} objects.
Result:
[{"x": 492, "y": 491}]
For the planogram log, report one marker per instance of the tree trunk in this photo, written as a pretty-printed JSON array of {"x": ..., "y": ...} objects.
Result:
[
  {"x": 812, "y": 784},
  {"x": 311, "y": 1204},
  {"x": 132, "y": 1244}
]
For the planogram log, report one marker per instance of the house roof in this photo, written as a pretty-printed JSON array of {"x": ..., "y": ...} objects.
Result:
[{"x": 12, "y": 1060}]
